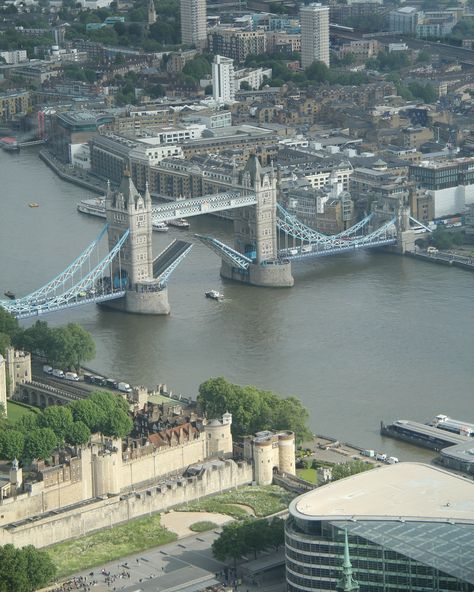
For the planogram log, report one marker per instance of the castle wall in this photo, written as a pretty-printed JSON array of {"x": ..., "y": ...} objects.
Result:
[
  {"x": 101, "y": 514},
  {"x": 3, "y": 383},
  {"x": 162, "y": 461}
]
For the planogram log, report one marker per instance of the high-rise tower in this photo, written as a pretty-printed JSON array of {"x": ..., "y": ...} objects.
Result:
[
  {"x": 223, "y": 90},
  {"x": 194, "y": 23},
  {"x": 132, "y": 271},
  {"x": 314, "y": 34}
]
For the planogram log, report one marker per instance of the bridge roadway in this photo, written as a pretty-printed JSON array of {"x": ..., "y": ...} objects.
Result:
[
  {"x": 207, "y": 204},
  {"x": 171, "y": 254}
]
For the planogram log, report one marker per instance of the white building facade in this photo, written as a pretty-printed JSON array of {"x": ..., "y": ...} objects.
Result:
[{"x": 223, "y": 88}]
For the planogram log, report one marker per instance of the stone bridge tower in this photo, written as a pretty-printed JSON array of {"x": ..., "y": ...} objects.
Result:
[
  {"x": 133, "y": 270},
  {"x": 255, "y": 231}
]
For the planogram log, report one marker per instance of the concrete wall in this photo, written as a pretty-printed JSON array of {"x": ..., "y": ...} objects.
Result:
[{"x": 99, "y": 514}]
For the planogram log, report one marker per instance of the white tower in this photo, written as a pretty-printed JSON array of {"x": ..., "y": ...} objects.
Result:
[
  {"x": 314, "y": 34},
  {"x": 223, "y": 83}
]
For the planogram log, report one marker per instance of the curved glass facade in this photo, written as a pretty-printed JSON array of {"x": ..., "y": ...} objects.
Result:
[{"x": 314, "y": 554}]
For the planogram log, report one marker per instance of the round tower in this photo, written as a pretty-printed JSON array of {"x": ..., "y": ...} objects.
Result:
[
  {"x": 219, "y": 436},
  {"x": 287, "y": 450},
  {"x": 263, "y": 461}
]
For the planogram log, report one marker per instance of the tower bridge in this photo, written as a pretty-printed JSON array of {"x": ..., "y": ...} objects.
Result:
[{"x": 127, "y": 277}]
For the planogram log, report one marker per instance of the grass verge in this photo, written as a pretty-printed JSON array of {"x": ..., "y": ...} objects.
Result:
[
  {"x": 17, "y": 410},
  {"x": 108, "y": 545},
  {"x": 203, "y": 526},
  {"x": 264, "y": 500},
  {"x": 307, "y": 474}
]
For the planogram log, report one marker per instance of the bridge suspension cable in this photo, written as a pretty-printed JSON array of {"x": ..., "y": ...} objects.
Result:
[
  {"x": 60, "y": 280},
  {"x": 82, "y": 292}
]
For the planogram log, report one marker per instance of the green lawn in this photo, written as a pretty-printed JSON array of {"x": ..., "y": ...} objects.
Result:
[
  {"x": 107, "y": 545},
  {"x": 15, "y": 411},
  {"x": 264, "y": 500},
  {"x": 203, "y": 526},
  {"x": 307, "y": 474}
]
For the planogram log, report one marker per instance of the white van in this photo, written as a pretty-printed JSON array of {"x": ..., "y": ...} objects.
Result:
[
  {"x": 57, "y": 373},
  {"x": 382, "y": 457},
  {"x": 431, "y": 250},
  {"x": 392, "y": 460},
  {"x": 71, "y": 376},
  {"x": 47, "y": 369}
]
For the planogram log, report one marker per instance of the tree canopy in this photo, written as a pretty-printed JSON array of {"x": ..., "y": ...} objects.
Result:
[
  {"x": 238, "y": 538},
  {"x": 66, "y": 347},
  {"x": 253, "y": 409},
  {"x": 24, "y": 570},
  {"x": 347, "y": 469}
]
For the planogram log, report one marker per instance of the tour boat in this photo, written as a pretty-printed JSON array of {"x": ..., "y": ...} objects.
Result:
[
  {"x": 178, "y": 223},
  {"x": 95, "y": 206},
  {"x": 9, "y": 294},
  {"x": 33, "y": 204},
  {"x": 214, "y": 294},
  {"x": 160, "y": 226}
]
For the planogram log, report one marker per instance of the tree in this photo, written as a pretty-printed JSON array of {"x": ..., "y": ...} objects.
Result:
[
  {"x": 79, "y": 434},
  {"x": 5, "y": 342},
  {"x": 40, "y": 568},
  {"x": 197, "y": 68},
  {"x": 13, "y": 576},
  {"x": 24, "y": 570},
  {"x": 230, "y": 544},
  {"x": 318, "y": 72},
  {"x": 118, "y": 424},
  {"x": 12, "y": 443},
  {"x": 289, "y": 414},
  {"x": 58, "y": 418},
  {"x": 70, "y": 346},
  {"x": 88, "y": 413},
  {"x": 40, "y": 443},
  {"x": 27, "y": 423},
  {"x": 35, "y": 339},
  {"x": 8, "y": 323},
  {"x": 349, "y": 468},
  {"x": 252, "y": 409}
]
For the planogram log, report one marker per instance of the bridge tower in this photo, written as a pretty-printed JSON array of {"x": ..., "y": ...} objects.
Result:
[
  {"x": 386, "y": 208},
  {"x": 255, "y": 232},
  {"x": 133, "y": 269}
]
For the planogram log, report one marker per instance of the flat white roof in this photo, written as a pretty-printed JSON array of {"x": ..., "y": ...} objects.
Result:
[{"x": 404, "y": 490}]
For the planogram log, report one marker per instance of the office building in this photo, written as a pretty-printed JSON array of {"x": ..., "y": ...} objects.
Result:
[
  {"x": 193, "y": 22},
  {"x": 403, "y": 20},
  {"x": 450, "y": 183},
  {"x": 314, "y": 34},
  {"x": 235, "y": 43},
  {"x": 223, "y": 88},
  {"x": 410, "y": 526}
]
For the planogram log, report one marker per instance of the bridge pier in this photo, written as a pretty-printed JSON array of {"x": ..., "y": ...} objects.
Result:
[
  {"x": 266, "y": 275},
  {"x": 146, "y": 303}
]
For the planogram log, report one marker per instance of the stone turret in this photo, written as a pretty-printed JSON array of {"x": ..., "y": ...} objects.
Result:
[{"x": 219, "y": 436}]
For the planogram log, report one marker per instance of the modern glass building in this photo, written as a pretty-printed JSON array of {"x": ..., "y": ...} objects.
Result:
[{"x": 410, "y": 527}]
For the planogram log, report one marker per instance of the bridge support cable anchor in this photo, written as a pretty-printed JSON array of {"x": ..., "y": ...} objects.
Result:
[{"x": 231, "y": 256}]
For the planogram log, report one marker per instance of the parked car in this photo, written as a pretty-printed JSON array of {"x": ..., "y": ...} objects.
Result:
[
  {"x": 57, "y": 373},
  {"x": 71, "y": 376},
  {"x": 47, "y": 369}
]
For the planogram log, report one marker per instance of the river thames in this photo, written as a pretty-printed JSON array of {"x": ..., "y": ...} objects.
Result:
[{"x": 359, "y": 338}]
